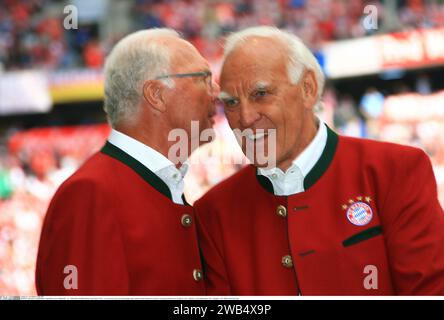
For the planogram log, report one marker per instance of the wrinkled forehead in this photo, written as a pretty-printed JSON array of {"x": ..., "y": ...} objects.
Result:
[{"x": 254, "y": 60}]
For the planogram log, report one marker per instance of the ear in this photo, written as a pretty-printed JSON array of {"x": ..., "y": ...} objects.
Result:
[
  {"x": 153, "y": 93},
  {"x": 309, "y": 89}
]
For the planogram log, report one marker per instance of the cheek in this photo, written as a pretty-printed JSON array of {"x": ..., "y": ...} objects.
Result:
[
  {"x": 190, "y": 106},
  {"x": 201, "y": 100},
  {"x": 286, "y": 120},
  {"x": 233, "y": 119},
  {"x": 292, "y": 132}
]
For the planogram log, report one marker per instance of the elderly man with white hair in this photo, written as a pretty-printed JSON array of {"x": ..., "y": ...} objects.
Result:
[
  {"x": 325, "y": 214},
  {"x": 120, "y": 224}
]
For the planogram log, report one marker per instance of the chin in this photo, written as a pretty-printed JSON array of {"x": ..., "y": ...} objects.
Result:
[
  {"x": 261, "y": 159},
  {"x": 260, "y": 165}
]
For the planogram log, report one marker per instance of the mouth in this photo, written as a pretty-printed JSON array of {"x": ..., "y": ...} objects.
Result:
[{"x": 257, "y": 136}]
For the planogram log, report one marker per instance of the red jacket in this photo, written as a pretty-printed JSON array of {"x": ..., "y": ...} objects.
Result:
[
  {"x": 114, "y": 222},
  {"x": 368, "y": 223}
]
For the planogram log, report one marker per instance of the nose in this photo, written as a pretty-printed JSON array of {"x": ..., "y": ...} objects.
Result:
[{"x": 248, "y": 115}]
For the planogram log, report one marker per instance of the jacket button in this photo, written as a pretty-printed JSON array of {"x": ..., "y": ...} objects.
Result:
[
  {"x": 187, "y": 220},
  {"x": 197, "y": 274},
  {"x": 287, "y": 262},
  {"x": 281, "y": 211}
]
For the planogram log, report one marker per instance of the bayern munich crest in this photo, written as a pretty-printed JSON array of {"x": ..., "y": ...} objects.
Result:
[{"x": 359, "y": 213}]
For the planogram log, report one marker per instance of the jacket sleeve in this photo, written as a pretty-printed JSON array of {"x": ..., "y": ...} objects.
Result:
[
  {"x": 81, "y": 250},
  {"x": 413, "y": 224},
  {"x": 210, "y": 242}
]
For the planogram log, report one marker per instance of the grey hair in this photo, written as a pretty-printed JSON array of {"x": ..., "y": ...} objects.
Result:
[
  {"x": 134, "y": 59},
  {"x": 300, "y": 57}
]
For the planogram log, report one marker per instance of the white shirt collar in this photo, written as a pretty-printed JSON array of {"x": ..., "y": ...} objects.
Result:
[
  {"x": 291, "y": 181},
  {"x": 154, "y": 161}
]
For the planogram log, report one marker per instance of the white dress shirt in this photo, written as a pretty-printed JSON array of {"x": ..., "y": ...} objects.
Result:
[
  {"x": 154, "y": 161},
  {"x": 292, "y": 181}
]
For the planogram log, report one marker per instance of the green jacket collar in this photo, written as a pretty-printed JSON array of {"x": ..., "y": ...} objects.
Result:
[{"x": 145, "y": 173}]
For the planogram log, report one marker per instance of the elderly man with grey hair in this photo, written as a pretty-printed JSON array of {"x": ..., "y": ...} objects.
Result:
[
  {"x": 324, "y": 214},
  {"x": 120, "y": 225}
]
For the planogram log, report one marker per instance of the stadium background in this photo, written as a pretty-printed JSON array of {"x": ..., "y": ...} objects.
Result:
[{"x": 384, "y": 83}]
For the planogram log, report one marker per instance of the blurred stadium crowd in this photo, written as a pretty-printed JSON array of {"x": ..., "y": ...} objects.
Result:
[
  {"x": 32, "y": 35},
  {"x": 35, "y": 161}
]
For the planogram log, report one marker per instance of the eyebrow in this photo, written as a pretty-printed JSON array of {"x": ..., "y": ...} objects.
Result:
[
  {"x": 261, "y": 85},
  {"x": 206, "y": 69},
  {"x": 225, "y": 96}
]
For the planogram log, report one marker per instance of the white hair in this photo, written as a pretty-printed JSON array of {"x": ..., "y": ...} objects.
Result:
[
  {"x": 134, "y": 59},
  {"x": 300, "y": 56}
]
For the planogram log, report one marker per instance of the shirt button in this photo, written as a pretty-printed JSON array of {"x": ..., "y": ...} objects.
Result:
[
  {"x": 187, "y": 220},
  {"x": 287, "y": 262},
  {"x": 274, "y": 176},
  {"x": 197, "y": 274},
  {"x": 281, "y": 211}
]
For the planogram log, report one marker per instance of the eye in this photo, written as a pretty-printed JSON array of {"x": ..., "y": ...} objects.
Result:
[
  {"x": 260, "y": 93},
  {"x": 230, "y": 103}
]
